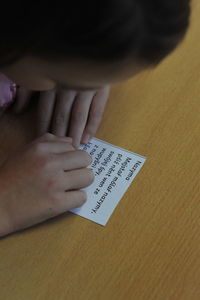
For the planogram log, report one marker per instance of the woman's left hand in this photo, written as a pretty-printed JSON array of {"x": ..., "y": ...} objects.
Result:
[{"x": 67, "y": 112}]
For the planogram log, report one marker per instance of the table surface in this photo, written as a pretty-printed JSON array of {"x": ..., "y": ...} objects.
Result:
[{"x": 150, "y": 248}]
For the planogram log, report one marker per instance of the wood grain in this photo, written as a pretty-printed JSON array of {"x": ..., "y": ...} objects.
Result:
[{"x": 150, "y": 248}]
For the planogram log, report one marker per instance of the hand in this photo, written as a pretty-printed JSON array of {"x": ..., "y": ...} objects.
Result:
[
  {"x": 41, "y": 181},
  {"x": 67, "y": 112}
]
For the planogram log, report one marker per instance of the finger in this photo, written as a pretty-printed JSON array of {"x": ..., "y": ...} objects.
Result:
[
  {"x": 55, "y": 147},
  {"x": 62, "y": 112},
  {"x": 95, "y": 114},
  {"x": 22, "y": 99},
  {"x": 45, "y": 109},
  {"x": 51, "y": 137},
  {"x": 75, "y": 199},
  {"x": 76, "y": 179},
  {"x": 73, "y": 160},
  {"x": 71, "y": 180},
  {"x": 66, "y": 201},
  {"x": 79, "y": 116}
]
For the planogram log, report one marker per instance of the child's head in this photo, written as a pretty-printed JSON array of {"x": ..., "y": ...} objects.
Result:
[{"x": 87, "y": 44}]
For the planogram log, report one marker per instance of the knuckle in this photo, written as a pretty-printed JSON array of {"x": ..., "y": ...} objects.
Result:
[
  {"x": 60, "y": 119},
  {"x": 53, "y": 203},
  {"x": 39, "y": 148},
  {"x": 78, "y": 116},
  {"x": 41, "y": 159},
  {"x": 55, "y": 195},
  {"x": 51, "y": 183},
  {"x": 44, "y": 163},
  {"x": 97, "y": 116}
]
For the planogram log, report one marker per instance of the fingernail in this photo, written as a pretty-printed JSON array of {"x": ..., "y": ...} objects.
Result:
[
  {"x": 86, "y": 138},
  {"x": 76, "y": 145}
]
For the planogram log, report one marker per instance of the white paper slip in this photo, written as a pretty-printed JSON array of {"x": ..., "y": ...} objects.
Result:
[{"x": 114, "y": 169}]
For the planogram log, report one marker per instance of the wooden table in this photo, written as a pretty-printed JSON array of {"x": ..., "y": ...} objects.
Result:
[{"x": 150, "y": 248}]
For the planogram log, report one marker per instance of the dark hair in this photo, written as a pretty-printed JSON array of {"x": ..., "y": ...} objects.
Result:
[{"x": 103, "y": 30}]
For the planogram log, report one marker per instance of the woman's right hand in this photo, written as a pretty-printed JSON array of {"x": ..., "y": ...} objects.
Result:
[{"x": 41, "y": 181}]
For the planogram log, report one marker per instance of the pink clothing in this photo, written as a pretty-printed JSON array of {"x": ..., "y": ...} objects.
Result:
[{"x": 8, "y": 91}]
